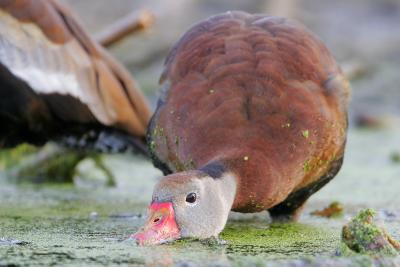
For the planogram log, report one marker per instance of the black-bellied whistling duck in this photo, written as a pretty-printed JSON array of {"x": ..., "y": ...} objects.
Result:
[
  {"x": 253, "y": 114},
  {"x": 57, "y": 83},
  {"x": 253, "y": 117}
]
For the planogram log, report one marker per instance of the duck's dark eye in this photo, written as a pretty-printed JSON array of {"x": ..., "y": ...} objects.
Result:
[{"x": 191, "y": 198}]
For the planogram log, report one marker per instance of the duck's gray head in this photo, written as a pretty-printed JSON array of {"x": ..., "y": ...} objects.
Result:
[{"x": 188, "y": 204}]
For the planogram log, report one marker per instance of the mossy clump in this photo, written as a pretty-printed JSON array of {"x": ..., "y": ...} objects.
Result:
[
  {"x": 13, "y": 156},
  {"x": 50, "y": 164},
  {"x": 363, "y": 235},
  {"x": 334, "y": 210}
]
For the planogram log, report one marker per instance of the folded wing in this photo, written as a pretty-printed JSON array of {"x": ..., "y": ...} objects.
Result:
[{"x": 44, "y": 48}]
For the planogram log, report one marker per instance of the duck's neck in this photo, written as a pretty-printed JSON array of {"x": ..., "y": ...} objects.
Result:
[
  {"x": 221, "y": 194},
  {"x": 226, "y": 185},
  {"x": 224, "y": 181}
]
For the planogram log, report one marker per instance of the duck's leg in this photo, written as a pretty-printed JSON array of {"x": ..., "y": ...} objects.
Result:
[{"x": 291, "y": 208}]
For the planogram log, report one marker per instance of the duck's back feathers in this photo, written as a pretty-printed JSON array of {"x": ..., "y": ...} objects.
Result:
[
  {"x": 260, "y": 94},
  {"x": 43, "y": 46}
]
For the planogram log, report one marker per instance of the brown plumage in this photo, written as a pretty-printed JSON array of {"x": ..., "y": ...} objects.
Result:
[
  {"x": 258, "y": 96},
  {"x": 252, "y": 117},
  {"x": 62, "y": 77}
]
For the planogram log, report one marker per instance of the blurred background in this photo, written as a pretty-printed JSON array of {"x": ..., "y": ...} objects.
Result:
[{"x": 363, "y": 35}]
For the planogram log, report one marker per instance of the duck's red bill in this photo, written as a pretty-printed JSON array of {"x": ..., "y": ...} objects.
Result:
[{"x": 160, "y": 227}]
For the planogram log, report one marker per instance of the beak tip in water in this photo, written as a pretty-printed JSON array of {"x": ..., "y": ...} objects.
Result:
[{"x": 160, "y": 227}]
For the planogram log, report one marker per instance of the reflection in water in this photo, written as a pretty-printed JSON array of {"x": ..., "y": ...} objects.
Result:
[{"x": 185, "y": 252}]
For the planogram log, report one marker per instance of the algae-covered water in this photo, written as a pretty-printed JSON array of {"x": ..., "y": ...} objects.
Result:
[{"x": 64, "y": 225}]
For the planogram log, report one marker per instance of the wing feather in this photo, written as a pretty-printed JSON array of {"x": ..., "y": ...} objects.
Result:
[{"x": 44, "y": 45}]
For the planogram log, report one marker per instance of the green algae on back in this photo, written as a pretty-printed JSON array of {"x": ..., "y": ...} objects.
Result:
[
  {"x": 363, "y": 235},
  {"x": 305, "y": 133}
]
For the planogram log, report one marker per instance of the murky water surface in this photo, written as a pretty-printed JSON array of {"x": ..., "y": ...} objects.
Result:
[{"x": 62, "y": 225}]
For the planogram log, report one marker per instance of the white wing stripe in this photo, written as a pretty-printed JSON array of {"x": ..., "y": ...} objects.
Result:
[{"x": 47, "y": 67}]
